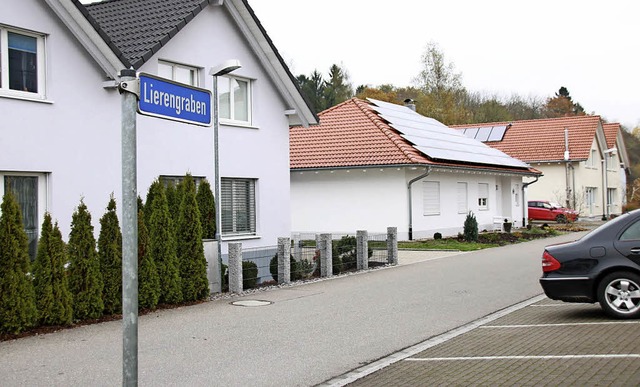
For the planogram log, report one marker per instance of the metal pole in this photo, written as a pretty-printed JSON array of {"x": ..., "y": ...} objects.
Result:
[
  {"x": 129, "y": 236},
  {"x": 216, "y": 170}
]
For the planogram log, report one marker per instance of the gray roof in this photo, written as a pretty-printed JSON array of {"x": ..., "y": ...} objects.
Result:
[{"x": 136, "y": 29}]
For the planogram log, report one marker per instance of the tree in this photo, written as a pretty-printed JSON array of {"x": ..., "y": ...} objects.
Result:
[
  {"x": 85, "y": 278},
  {"x": 193, "y": 265},
  {"x": 337, "y": 88},
  {"x": 437, "y": 76},
  {"x": 148, "y": 282},
  {"x": 313, "y": 88},
  {"x": 53, "y": 299},
  {"x": 378, "y": 93},
  {"x": 162, "y": 246},
  {"x": 110, "y": 255},
  {"x": 207, "y": 207},
  {"x": 562, "y": 105},
  {"x": 17, "y": 296}
]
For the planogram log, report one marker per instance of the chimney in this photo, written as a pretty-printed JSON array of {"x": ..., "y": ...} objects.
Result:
[{"x": 410, "y": 104}]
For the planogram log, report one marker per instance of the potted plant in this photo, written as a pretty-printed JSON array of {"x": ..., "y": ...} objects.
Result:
[{"x": 506, "y": 226}]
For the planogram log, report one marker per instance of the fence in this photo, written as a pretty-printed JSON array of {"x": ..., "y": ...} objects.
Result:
[{"x": 309, "y": 255}]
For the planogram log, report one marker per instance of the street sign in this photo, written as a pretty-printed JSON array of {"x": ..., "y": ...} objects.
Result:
[{"x": 175, "y": 101}]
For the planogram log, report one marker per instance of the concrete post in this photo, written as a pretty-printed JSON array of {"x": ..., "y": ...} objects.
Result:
[
  {"x": 362, "y": 249},
  {"x": 297, "y": 248},
  {"x": 392, "y": 245},
  {"x": 213, "y": 265},
  {"x": 284, "y": 260},
  {"x": 235, "y": 267},
  {"x": 326, "y": 256}
]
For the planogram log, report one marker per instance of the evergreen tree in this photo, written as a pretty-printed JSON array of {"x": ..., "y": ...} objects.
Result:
[
  {"x": 148, "y": 280},
  {"x": 85, "y": 279},
  {"x": 17, "y": 296},
  {"x": 53, "y": 299},
  {"x": 110, "y": 255},
  {"x": 162, "y": 245},
  {"x": 207, "y": 207},
  {"x": 337, "y": 88},
  {"x": 193, "y": 265},
  {"x": 154, "y": 188}
]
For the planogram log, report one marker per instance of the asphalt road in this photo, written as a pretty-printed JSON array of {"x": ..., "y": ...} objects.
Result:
[{"x": 308, "y": 334}]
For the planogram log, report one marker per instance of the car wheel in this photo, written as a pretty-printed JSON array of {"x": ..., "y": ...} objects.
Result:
[
  {"x": 561, "y": 219},
  {"x": 619, "y": 295}
]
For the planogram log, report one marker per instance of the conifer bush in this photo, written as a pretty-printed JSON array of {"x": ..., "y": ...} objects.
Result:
[
  {"x": 148, "y": 280},
  {"x": 110, "y": 256},
  {"x": 17, "y": 296},
  {"x": 193, "y": 265},
  {"x": 162, "y": 245},
  {"x": 471, "y": 228},
  {"x": 85, "y": 278},
  {"x": 249, "y": 274},
  {"x": 53, "y": 298},
  {"x": 207, "y": 207}
]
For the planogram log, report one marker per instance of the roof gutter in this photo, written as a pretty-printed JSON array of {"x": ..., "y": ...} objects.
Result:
[
  {"x": 436, "y": 167},
  {"x": 524, "y": 200},
  {"x": 425, "y": 174}
]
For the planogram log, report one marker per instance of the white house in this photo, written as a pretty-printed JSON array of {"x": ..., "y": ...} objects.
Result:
[
  {"x": 61, "y": 110},
  {"x": 370, "y": 164},
  {"x": 572, "y": 153}
]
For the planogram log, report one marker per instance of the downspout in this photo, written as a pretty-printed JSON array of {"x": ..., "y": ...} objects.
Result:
[
  {"x": 427, "y": 172},
  {"x": 525, "y": 207},
  {"x": 567, "y": 190}
]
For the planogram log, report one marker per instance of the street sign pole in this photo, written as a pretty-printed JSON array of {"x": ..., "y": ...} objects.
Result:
[{"x": 129, "y": 89}]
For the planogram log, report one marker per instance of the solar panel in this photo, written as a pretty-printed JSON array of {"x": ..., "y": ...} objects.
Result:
[
  {"x": 497, "y": 133},
  {"x": 438, "y": 141}
]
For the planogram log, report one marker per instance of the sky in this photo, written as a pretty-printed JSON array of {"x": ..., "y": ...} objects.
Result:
[{"x": 501, "y": 47}]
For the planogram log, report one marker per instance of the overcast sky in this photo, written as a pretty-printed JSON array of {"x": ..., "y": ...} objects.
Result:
[{"x": 500, "y": 46}]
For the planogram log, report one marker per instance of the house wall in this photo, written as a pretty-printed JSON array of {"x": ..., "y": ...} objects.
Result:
[
  {"x": 342, "y": 202},
  {"x": 74, "y": 137}
]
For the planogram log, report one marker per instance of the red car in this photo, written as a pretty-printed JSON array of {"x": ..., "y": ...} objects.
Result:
[{"x": 545, "y": 210}]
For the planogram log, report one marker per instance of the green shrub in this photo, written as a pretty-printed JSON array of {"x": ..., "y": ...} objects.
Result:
[
  {"x": 249, "y": 275},
  {"x": 110, "y": 256},
  {"x": 148, "y": 280},
  {"x": 346, "y": 249},
  {"x": 162, "y": 245},
  {"x": 53, "y": 298},
  {"x": 17, "y": 296},
  {"x": 207, "y": 207},
  {"x": 85, "y": 277},
  {"x": 471, "y": 228},
  {"x": 296, "y": 273},
  {"x": 190, "y": 251}
]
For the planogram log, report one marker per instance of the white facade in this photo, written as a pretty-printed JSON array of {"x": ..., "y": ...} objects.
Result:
[
  {"x": 343, "y": 201},
  {"x": 71, "y": 138}
]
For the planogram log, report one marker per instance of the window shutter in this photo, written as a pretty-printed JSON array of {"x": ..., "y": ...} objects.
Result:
[
  {"x": 462, "y": 198},
  {"x": 431, "y": 197},
  {"x": 238, "y": 206}
]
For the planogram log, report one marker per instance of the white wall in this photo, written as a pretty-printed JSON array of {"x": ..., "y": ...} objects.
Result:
[{"x": 75, "y": 136}]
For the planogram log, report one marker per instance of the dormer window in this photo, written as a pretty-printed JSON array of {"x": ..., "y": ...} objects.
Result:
[{"x": 21, "y": 63}]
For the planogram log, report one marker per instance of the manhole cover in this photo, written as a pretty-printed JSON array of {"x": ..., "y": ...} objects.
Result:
[{"x": 251, "y": 303}]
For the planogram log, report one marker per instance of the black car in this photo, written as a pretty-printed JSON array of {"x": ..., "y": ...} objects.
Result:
[{"x": 602, "y": 266}]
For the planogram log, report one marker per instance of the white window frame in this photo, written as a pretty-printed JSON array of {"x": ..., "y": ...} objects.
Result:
[
  {"x": 5, "y": 91},
  {"x": 483, "y": 196},
  {"x": 431, "y": 198},
  {"x": 591, "y": 161},
  {"x": 175, "y": 68},
  {"x": 226, "y": 91},
  {"x": 590, "y": 198},
  {"x": 229, "y": 226},
  {"x": 462, "y": 195}
]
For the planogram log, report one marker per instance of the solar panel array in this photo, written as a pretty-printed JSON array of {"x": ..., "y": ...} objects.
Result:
[
  {"x": 438, "y": 141},
  {"x": 485, "y": 133}
]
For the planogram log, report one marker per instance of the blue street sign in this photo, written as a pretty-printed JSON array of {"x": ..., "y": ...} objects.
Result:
[{"x": 175, "y": 101}]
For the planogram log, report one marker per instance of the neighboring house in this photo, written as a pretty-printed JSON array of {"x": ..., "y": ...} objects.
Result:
[
  {"x": 371, "y": 165},
  {"x": 60, "y": 108},
  {"x": 572, "y": 153}
]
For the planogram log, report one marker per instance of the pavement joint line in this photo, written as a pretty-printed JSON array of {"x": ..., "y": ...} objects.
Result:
[
  {"x": 370, "y": 368},
  {"x": 545, "y": 357},
  {"x": 560, "y": 324}
]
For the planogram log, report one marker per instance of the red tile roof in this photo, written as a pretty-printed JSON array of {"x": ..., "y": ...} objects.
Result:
[
  {"x": 611, "y": 133},
  {"x": 543, "y": 139},
  {"x": 352, "y": 134}
]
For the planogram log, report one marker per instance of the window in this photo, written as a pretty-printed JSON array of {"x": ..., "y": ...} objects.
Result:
[
  {"x": 431, "y": 197},
  {"x": 238, "y": 206},
  {"x": 632, "y": 233},
  {"x": 234, "y": 99},
  {"x": 175, "y": 180},
  {"x": 590, "y": 198},
  {"x": 462, "y": 198},
  {"x": 483, "y": 196},
  {"x": 179, "y": 73},
  {"x": 29, "y": 190},
  {"x": 591, "y": 162},
  {"x": 611, "y": 199},
  {"x": 21, "y": 63}
]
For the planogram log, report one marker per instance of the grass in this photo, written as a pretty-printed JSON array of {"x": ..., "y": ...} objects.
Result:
[{"x": 445, "y": 244}]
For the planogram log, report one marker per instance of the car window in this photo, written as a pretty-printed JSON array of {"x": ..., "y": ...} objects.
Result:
[
  {"x": 546, "y": 205},
  {"x": 631, "y": 233}
]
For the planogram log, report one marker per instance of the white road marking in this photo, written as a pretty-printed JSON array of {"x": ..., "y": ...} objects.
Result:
[
  {"x": 560, "y": 325},
  {"x": 546, "y": 357}
]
